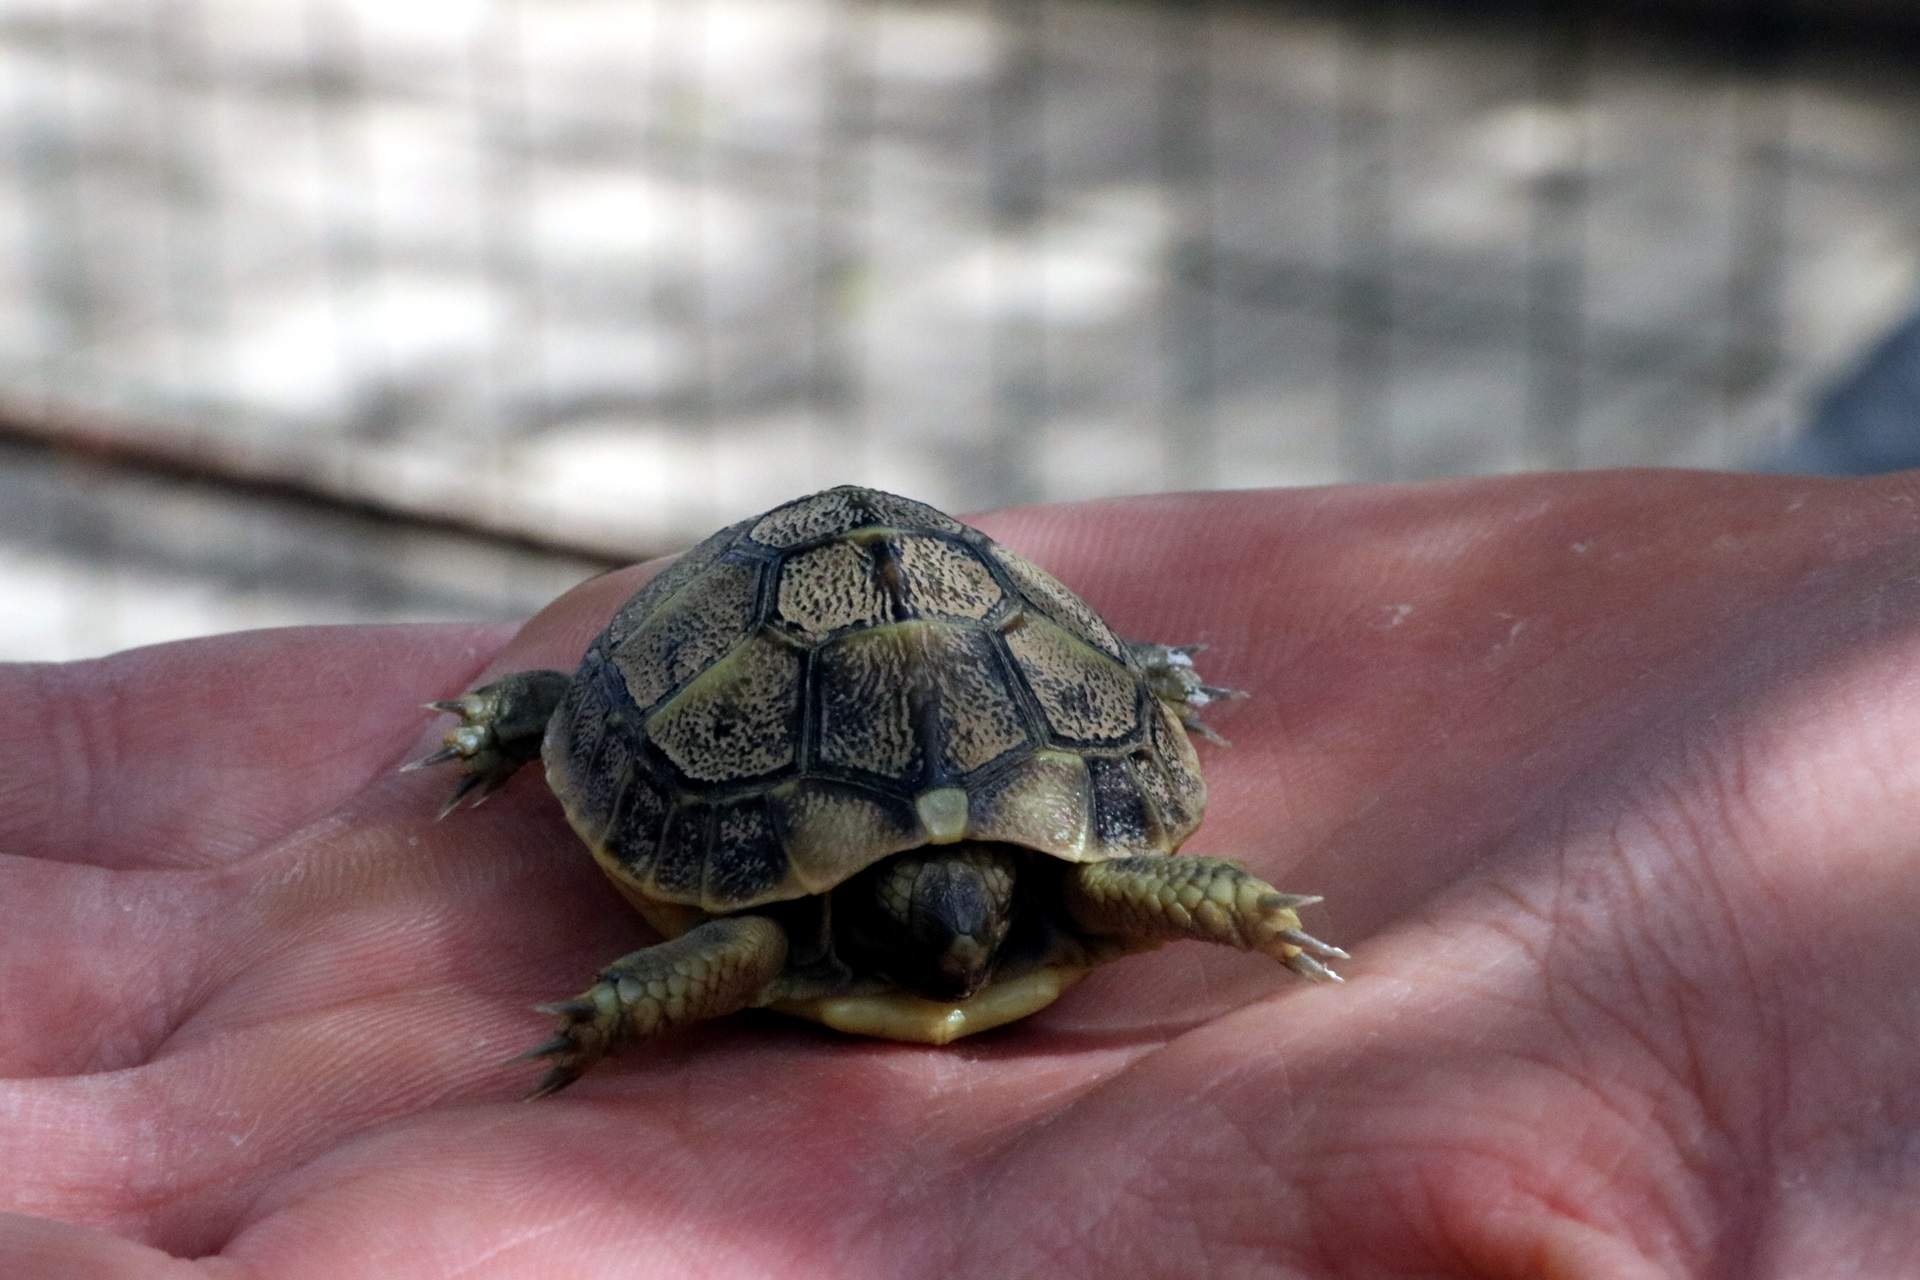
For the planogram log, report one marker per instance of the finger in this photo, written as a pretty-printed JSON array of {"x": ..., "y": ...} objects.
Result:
[
  {"x": 852, "y": 1131},
  {"x": 193, "y": 754},
  {"x": 375, "y": 969},
  {"x": 49, "y": 1250},
  {"x": 298, "y": 1145},
  {"x": 147, "y": 774},
  {"x": 109, "y": 968}
]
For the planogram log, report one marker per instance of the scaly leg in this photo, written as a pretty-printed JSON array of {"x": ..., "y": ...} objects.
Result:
[
  {"x": 1142, "y": 902},
  {"x": 500, "y": 728},
  {"x": 1173, "y": 679},
  {"x": 713, "y": 969}
]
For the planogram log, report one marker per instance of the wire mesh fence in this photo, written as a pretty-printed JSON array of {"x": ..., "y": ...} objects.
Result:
[{"x": 600, "y": 275}]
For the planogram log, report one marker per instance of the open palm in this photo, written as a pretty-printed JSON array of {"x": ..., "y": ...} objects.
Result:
[{"x": 1609, "y": 782}]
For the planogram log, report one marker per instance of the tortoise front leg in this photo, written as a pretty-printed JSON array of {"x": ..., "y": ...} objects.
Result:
[
  {"x": 500, "y": 728},
  {"x": 711, "y": 970},
  {"x": 1142, "y": 902}
]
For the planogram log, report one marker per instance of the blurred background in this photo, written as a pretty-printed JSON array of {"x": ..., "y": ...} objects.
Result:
[{"x": 340, "y": 310}]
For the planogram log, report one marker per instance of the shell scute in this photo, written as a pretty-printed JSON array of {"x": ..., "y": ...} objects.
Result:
[
  {"x": 737, "y": 719},
  {"x": 1086, "y": 696},
  {"x": 1121, "y": 820},
  {"x": 746, "y": 859},
  {"x": 1047, "y": 594},
  {"x": 828, "y": 588},
  {"x": 1041, "y": 803},
  {"x": 833, "y": 830},
  {"x": 606, "y": 755},
  {"x": 942, "y": 579},
  {"x": 979, "y": 719},
  {"x": 842, "y": 510},
  {"x": 633, "y": 836},
  {"x": 689, "y": 632},
  {"x": 1174, "y": 752},
  {"x": 866, "y": 694},
  {"x": 680, "y": 869}
]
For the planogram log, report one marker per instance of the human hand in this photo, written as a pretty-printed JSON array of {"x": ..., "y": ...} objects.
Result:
[{"x": 1605, "y": 778}]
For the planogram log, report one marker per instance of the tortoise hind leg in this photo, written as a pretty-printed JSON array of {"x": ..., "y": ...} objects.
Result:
[
  {"x": 1174, "y": 680},
  {"x": 713, "y": 969},
  {"x": 1139, "y": 903},
  {"x": 500, "y": 728}
]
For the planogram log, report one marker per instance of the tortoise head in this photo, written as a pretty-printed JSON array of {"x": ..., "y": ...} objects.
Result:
[{"x": 932, "y": 920}]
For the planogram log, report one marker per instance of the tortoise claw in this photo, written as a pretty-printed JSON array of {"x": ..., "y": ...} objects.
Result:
[
  {"x": 552, "y": 1082},
  {"x": 1205, "y": 732},
  {"x": 441, "y": 756},
  {"x": 1199, "y": 695},
  {"x": 1308, "y": 943},
  {"x": 1310, "y": 969},
  {"x": 580, "y": 1041},
  {"x": 500, "y": 728},
  {"x": 1282, "y": 937},
  {"x": 485, "y": 784},
  {"x": 1174, "y": 680},
  {"x": 546, "y": 1049}
]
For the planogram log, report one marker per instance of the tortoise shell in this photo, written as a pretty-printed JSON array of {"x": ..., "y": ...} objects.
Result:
[{"x": 846, "y": 677}]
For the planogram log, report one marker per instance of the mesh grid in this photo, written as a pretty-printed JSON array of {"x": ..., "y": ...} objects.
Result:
[{"x": 606, "y": 275}]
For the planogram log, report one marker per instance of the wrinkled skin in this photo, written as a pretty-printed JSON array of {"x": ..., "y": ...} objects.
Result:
[{"x": 1611, "y": 783}]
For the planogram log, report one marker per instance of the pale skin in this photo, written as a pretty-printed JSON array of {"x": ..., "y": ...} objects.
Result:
[
  {"x": 923, "y": 934},
  {"x": 1609, "y": 782}
]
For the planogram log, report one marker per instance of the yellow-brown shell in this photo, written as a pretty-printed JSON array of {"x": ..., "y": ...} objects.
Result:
[{"x": 846, "y": 677}]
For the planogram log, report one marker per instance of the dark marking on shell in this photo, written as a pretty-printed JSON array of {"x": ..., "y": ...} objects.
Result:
[
  {"x": 1120, "y": 819},
  {"x": 669, "y": 580},
  {"x": 978, "y": 718},
  {"x": 633, "y": 839},
  {"x": 866, "y": 691},
  {"x": 1164, "y": 801},
  {"x": 888, "y": 578},
  {"x": 1086, "y": 696},
  {"x": 681, "y": 868},
  {"x": 746, "y": 859},
  {"x": 738, "y": 719}
]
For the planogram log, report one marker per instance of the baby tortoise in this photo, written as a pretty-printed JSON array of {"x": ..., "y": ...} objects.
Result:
[{"x": 860, "y": 764}]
